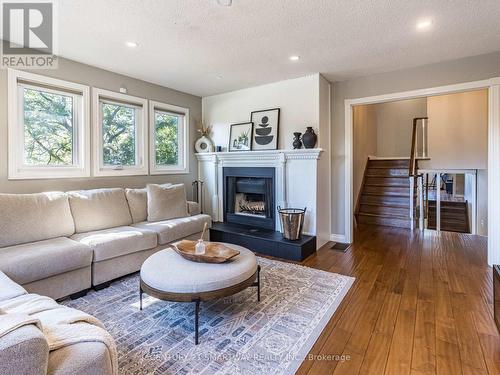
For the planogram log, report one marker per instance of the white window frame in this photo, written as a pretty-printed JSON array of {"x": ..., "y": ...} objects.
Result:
[
  {"x": 17, "y": 80},
  {"x": 101, "y": 95},
  {"x": 183, "y": 166}
]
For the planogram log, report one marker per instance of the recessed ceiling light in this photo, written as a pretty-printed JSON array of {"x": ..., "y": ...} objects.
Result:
[
  {"x": 424, "y": 24},
  {"x": 131, "y": 44},
  {"x": 294, "y": 58},
  {"x": 218, "y": 77},
  {"x": 226, "y": 3}
]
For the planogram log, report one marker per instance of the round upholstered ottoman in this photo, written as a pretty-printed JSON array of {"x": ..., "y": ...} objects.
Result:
[{"x": 168, "y": 276}]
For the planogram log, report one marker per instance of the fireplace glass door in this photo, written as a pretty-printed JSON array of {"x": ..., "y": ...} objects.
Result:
[{"x": 249, "y": 200}]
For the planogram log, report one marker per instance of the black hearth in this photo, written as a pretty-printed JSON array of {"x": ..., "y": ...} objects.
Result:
[{"x": 249, "y": 196}]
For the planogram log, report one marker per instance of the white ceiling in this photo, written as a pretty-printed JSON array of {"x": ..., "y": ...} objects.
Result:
[{"x": 187, "y": 44}]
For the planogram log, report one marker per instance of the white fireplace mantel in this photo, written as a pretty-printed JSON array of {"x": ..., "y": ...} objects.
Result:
[
  {"x": 248, "y": 156},
  {"x": 296, "y": 179}
]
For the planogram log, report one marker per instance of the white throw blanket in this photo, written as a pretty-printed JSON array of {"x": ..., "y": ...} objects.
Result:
[
  {"x": 11, "y": 322},
  {"x": 61, "y": 325}
]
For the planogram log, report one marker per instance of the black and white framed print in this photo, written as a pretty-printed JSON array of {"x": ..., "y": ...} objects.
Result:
[
  {"x": 266, "y": 129},
  {"x": 240, "y": 137}
]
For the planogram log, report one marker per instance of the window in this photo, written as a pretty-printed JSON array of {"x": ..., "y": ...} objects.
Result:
[
  {"x": 48, "y": 127},
  {"x": 120, "y": 142},
  {"x": 169, "y": 138}
]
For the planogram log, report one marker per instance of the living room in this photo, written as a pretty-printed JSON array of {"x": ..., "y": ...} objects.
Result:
[{"x": 178, "y": 185}]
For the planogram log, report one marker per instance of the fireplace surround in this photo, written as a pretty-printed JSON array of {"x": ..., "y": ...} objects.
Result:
[{"x": 299, "y": 181}]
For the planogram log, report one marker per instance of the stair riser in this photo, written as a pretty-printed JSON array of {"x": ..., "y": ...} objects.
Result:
[
  {"x": 446, "y": 216},
  {"x": 374, "y": 220},
  {"x": 447, "y": 222},
  {"x": 388, "y": 181},
  {"x": 389, "y": 172},
  {"x": 451, "y": 211},
  {"x": 389, "y": 164},
  {"x": 450, "y": 205},
  {"x": 449, "y": 228},
  {"x": 384, "y": 210},
  {"x": 386, "y": 190},
  {"x": 383, "y": 200}
]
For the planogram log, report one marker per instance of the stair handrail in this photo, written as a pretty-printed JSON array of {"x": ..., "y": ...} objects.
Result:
[
  {"x": 413, "y": 169},
  {"x": 415, "y": 179}
]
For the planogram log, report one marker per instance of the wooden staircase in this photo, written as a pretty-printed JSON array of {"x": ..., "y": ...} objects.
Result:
[
  {"x": 384, "y": 197},
  {"x": 454, "y": 216}
]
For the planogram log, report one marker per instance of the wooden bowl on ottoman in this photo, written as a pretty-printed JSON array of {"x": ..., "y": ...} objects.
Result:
[{"x": 215, "y": 252}]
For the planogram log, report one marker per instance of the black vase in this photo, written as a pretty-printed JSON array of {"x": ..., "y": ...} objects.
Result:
[
  {"x": 309, "y": 138},
  {"x": 296, "y": 141}
]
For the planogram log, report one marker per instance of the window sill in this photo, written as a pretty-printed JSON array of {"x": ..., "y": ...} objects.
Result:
[
  {"x": 104, "y": 172},
  {"x": 156, "y": 172},
  {"x": 47, "y": 175}
]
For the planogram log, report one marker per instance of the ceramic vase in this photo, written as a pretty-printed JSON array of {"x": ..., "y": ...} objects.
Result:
[
  {"x": 204, "y": 144},
  {"x": 297, "y": 143},
  {"x": 309, "y": 138}
]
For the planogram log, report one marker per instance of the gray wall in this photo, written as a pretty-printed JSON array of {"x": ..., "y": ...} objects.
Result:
[
  {"x": 395, "y": 125},
  {"x": 364, "y": 139},
  {"x": 451, "y": 72},
  {"x": 99, "y": 78}
]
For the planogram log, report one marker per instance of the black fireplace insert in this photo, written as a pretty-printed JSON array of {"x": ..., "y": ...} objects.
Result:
[{"x": 249, "y": 196}]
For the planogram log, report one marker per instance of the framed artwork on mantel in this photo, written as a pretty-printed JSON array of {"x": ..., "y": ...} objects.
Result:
[
  {"x": 266, "y": 129},
  {"x": 240, "y": 137}
]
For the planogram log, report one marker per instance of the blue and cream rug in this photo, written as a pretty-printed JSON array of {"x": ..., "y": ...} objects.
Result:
[{"x": 238, "y": 335}]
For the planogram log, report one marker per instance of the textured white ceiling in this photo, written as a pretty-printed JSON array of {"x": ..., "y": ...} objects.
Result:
[{"x": 186, "y": 44}]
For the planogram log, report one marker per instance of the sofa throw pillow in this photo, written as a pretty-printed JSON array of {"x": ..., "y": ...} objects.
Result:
[
  {"x": 138, "y": 203},
  {"x": 166, "y": 202}
]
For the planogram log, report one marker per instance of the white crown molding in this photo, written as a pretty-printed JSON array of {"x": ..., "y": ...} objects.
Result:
[{"x": 269, "y": 155}]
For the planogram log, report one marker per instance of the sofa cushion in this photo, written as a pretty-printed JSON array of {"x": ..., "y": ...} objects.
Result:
[
  {"x": 39, "y": 260},
  {"x": 34, "y": 217},
  {"x": 194, "y": 208},
  {"x": 9, "y": 289},
  {"x": 138, "y": 203},
  {"x": 175, "y": 229},
  {"x": 99, "y": 209},
  {"x": 83, "y": 358},
  {"x": 166, "y": 203},
  {"x": 114, "y": 242}
]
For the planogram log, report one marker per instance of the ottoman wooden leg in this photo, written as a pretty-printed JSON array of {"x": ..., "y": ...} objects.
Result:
[
  {"x": 257, "y": 283},
  {"x": 140, "y": 298},
  {"x": 196, "y": 321}
]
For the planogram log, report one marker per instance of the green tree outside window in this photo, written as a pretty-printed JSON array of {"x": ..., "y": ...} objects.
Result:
[
  {"x": 167, "y": 138},
  {"x": 118, "y": 135},
  {"x": 48, "y": 128}
]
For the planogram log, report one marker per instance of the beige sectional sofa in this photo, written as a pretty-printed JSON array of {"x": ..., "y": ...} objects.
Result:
[{"x": 60, "y": 244}]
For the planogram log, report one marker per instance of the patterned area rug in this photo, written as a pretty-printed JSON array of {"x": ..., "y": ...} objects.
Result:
[{"x": 238, "y": 335}]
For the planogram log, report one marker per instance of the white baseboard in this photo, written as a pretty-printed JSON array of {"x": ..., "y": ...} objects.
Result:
[{"x": 340, "y": 238}]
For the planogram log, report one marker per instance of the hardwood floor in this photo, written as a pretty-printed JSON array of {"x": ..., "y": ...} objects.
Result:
[{"x": 421, "y": 304}]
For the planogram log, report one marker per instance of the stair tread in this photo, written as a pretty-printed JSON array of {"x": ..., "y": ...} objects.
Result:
[
  {"x": 399, "y": 217},
  {"x": 449, "y": 221},
  {"x": 388, "y": 195},
  {"x": 390, "y": 221},
  {"x": 388, "y": 185},
  {"x": 393, "y": 205},
  {"x": 399, "y": 177},
  {"x": 388, "y": 167}
]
